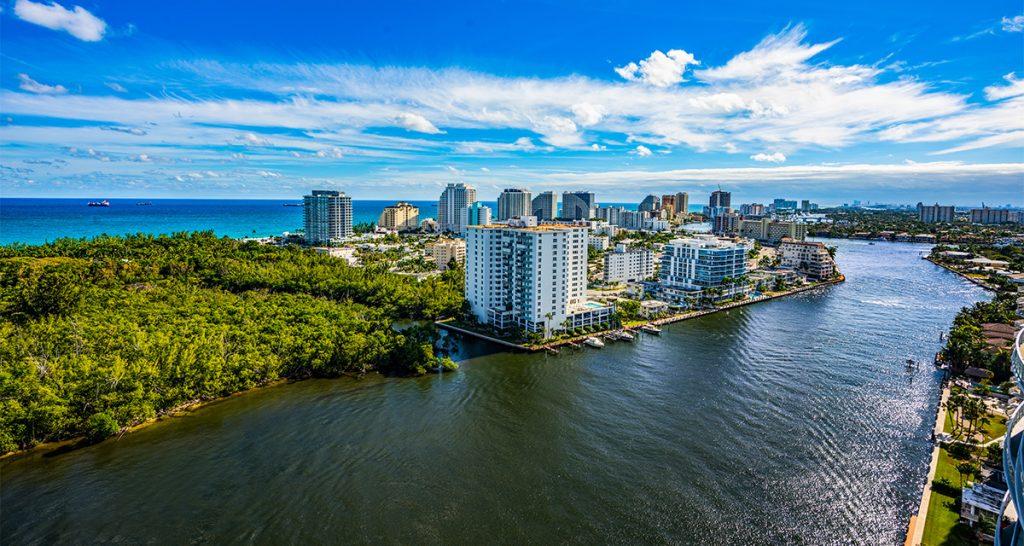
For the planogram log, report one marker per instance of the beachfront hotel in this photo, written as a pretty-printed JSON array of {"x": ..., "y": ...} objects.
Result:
[
  {"x": 700, "y": 266},
  {"x": 399, "y": 217},
  {"x": 453, "y": 207},
  {"x": 326, "y": 216},
  {"x": 532, "y": 277}
]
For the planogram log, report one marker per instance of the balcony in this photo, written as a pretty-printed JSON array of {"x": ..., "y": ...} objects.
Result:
[{"x": 1013, "y": 460}]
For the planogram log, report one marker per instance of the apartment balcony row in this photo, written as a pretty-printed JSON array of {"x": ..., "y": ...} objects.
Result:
[{"x": 1011, "y": 533}]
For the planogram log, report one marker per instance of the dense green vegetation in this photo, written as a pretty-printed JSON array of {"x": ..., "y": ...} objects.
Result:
[
  {"x": 102, "y": 334},
  {"x": 871, "y": 223},
  {"x": 966, "y": 345}
]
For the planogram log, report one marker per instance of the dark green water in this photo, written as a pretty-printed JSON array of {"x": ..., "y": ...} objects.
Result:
[{"x": 792, "y": 421}]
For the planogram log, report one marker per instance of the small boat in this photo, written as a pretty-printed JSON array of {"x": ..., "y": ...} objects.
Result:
[
  {"x": 293, "y": 204},
  {"x": 594, "y": 342},
  {"x": 651, "y": 329},
  {"x": 103, "y": 203},
  {"x": 626, "y": 336},
  {"x": 143, "y": 203}
]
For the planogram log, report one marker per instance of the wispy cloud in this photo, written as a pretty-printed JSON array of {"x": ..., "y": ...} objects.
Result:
[
  {"x": 26, "y": 83},
  {"x": 1013, "y": 24},
  {"x": 78, "y": 21},
  {"x": 779, "y": 98}
]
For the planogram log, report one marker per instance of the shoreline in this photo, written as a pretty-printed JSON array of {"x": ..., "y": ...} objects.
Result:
[
  {"x": 919, "y": 519},
  {"x": 961, "y": 274},
  {"x": 554, "y": 345},
  {"x": 181, "y": 410}
]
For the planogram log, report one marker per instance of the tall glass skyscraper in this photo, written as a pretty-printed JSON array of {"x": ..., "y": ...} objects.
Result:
[
  {"x": 545, "y": 206},
  {"x": 452, "y": 208},
  {"x": 513, "y": 202},
  {"x": 578, "y": 205},
  {"x": 327, "y": 216}
]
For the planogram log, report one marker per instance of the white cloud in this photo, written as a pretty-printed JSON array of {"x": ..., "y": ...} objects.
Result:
[
  {"x": 32, "y": 86},
  {"x": 416, "y": 122},
  {"x": 774, "y": 55},
  {"x": 332, "y": 153},
  {"x": 769, "y": 98},
  {"x": 659, "y": 69},
  {"x": 1014, "y": 88},
  {"x": 777, "y": 157},
  {"x": 929, "y": 171},
  {"x": 1013, "y": 24},
  {"x": 252, "y": 139},
  {"x": 116, "y": 87},
  {"x": 77, "y": 21},
  {"x": 642, "y": 151},
  {"x": 587, "y": 114}
]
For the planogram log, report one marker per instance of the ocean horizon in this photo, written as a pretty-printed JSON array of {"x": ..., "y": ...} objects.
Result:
[{"x": 35, "y": 221}]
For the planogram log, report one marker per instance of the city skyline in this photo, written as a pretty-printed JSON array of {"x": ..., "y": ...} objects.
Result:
[{"x": 822, "y": 103}]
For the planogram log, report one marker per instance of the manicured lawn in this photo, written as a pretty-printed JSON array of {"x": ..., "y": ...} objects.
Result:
[
  {"x": 995, "y": 428},
  {"x": 942, "y": 524}
]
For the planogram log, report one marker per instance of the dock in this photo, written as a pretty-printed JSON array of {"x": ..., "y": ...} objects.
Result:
[{"x": 635, "y": 329}]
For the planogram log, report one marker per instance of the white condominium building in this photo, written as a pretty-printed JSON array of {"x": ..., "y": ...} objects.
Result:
[
  {"x": 807, "y": 257},
  {"x": 399, "y": 217},
  {"x": 534, "y": 277},
  {"x": 514, "y": 202},
  {"x": 452, "y": 208},
  {"x": 327, "y": 216},
  {"x": 627, "y": 264},
  {"x": 691, "y": 266},
  {"x": 599, "y": 242},
  {"x": 446, "y": 250}
]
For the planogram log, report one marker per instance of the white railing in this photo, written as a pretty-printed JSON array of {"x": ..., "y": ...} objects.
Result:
[{"x": 1013, "y": 456}]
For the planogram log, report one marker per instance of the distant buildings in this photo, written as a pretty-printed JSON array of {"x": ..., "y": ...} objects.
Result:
[
  {"x": 612, "y": 215},
  {"x": 452, "y": 208},
  {"x": 682, "y": 204},
  {"x": 446, "y": 250},
  {"x": 720, "y": 202},
  {"x": 985, "y": 215},
  {"x": 767, "y": 230},
  {"x": 783, "y": 206},
  {"x": 700, "y": 266},
  {"x": 935, "y": 214},
  {"x": 726, "y": 223},
  {"x": 533, "y": 278},
  {"x": 326, "y": 216},
  {"x": 650, "y": 203},
  {"x": 514, "y": 202},
  {"x": 545, "y": 206},
  {"x": 720, "y": 198},
  {"x": 578, "y": 205},
  {"x": 752, "y": 209},
  {"x": 806, "y": 257},
  {"x": 627, "y": 264},
  {"x": 399, "y": 217},
  {"x": 668, "y": 206},
  {"x": 478, "y": 214},
  {"x": 807, "y": 206}
]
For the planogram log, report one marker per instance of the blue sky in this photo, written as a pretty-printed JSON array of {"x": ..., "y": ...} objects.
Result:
[{"x": 822, "y": 100}]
